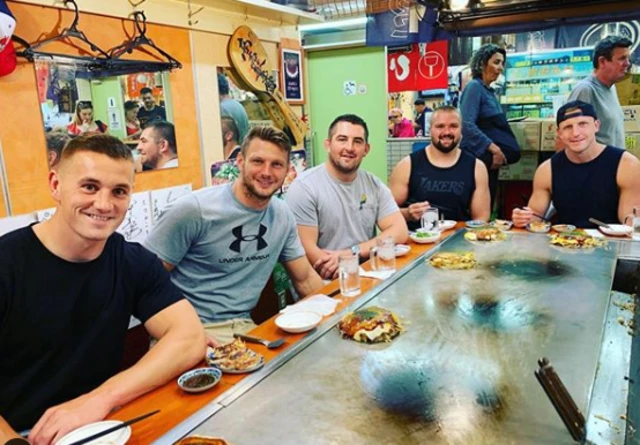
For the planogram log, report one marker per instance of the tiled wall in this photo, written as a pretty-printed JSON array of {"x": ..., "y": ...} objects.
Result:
[{"x": 398, "y": 149}]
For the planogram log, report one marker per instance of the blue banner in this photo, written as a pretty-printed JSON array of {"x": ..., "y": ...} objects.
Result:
[{"x": 392, "y": 28}]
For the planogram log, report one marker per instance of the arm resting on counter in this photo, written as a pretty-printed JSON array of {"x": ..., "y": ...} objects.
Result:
[
  {"x": 6, "y": 432},
  {"x": 325, "y": 262},
  {"x": 305, "y": 279},
  {"x": 181, "y": 344},
  {"x": 628, "y": 179},
  {"x": 480, "y": 200}
]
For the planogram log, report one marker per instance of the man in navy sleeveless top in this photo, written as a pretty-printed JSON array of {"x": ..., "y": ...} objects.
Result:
[
  {"x": 442, "y": 176},
  {"x": 585, "y": 180}
]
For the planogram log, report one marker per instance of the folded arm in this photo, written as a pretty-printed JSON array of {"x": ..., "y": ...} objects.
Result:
[{"x": 304, "y": 277}]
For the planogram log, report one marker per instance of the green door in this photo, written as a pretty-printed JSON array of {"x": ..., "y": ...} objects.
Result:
[{"x": 350, "y": 81}]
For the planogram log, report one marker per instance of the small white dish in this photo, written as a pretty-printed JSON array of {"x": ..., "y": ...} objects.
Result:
[
  {"x": 476, "y": 223},
  {"x": 616, "y": 230},
  {"x": 298, "y": 321},
  {"x": 118, "y": 437},
  {"x": 446, "y": 224},
  {"x": 424, "y": 237},
  {"x": 187, "y": 380},
  {"x": 401, "y": 249},
  {"x": 563, "y": 228},
  {"x": 503, "y": 225}
]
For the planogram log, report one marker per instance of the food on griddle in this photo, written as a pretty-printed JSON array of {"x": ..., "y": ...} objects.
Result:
[
  {"x": 234, "y": 356},
  {"x": 577, "y": 239},
  {"x": 371, "y": 325},
  {"x": 485, "y": 234},
  {"x": 453, "y": 261},
  {"x": 201, "y": 440}
]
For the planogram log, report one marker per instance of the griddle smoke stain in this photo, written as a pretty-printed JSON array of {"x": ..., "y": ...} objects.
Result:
[
  {"x": 499, "y": 315},
  {"x": 530, "y": 269},
  {"x": 408, "y": 391}
]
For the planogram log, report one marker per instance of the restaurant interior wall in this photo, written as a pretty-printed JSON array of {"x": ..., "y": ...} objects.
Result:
[
  {"x": 23, "y": 151},
  {"x": 328, "y": 72}
]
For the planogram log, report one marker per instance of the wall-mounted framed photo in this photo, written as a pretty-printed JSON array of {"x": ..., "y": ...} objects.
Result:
[{"x": 292, "y": 76}]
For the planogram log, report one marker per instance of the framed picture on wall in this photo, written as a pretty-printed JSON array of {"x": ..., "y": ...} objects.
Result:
[{"x": 292, "y": 79}]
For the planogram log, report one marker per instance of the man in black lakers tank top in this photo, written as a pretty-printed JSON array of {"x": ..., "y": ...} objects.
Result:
[
  {"x": 441, "y": 176},
  {"x": 586, "y": 179}
]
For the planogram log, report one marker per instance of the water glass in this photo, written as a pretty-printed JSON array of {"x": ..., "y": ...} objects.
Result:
[
  {"x": 635, "y": 223},
  {"x": 349, "y": 275},
  {"x": 383, "y": 256},
  {"x": 430, "y": 219}
]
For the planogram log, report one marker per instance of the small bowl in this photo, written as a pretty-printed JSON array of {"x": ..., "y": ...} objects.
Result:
[
  {"x": 446, "y": 224},
  {"x": 191, "y": 381},
  {"x": 616, "y": 230},
  {"x": 563, "y": 228},
  {"x": 539, "y": 226},
  {"x": 401, "y": 249},
  {"x": 502, "y": 224},
  {"x": 424, "y": 236},
  {"x": 476, "y": 223},
  {"x": 298, "y": 321}
]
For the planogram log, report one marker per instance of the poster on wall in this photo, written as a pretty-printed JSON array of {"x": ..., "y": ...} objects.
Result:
[{"x": 292, "y": 76}]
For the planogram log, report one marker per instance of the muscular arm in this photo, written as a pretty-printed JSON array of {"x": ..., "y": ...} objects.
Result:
[
  {"x": 392, "y": 225},
  {"x": 6, "y": 432},
  {"x": 304, "y": 277},
  {"x": 628, "y": 179},
  {"x": 399, "y": 186},
  {"x": 181, "y": 344},
  {"x": 481, "y": 201},
  {"x": 540, "y": 199}
]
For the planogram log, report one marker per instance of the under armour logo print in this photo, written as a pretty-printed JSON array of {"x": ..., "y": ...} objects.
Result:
[{"x": 237, "y": 233}]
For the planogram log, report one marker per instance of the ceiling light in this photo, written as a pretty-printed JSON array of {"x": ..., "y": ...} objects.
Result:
[{"x": 337, "y": 25}]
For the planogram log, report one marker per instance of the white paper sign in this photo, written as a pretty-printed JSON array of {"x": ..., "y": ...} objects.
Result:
[
  {"x": 114, "y": 118},
  {"x": 16, "y": 222},
  {"x": 137, "y": 222},
  {"x": 45, "y": 214},
  {"x": 349, "y": 87},
  {"x": 160, "y": 199}
]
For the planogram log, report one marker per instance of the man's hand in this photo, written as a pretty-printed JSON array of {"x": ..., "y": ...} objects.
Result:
[
  {"x": 521, "y": 217},
  {"x": 417, "y": 209},
  {"x": 327, "y": 265},
  {"x": 499, "y": 159},
  {"x": 212, "y": 342},
  {"x": 59, "y": 420}
]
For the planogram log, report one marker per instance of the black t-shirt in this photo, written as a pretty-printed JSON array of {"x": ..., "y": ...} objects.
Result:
[
  {"x": 63, "y": 324},
  {"x": 156, "y": 114},
  {"x": 451, "y": 188}
]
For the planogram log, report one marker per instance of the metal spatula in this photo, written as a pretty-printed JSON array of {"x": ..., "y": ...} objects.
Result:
[{"x": 269, "y": 344}]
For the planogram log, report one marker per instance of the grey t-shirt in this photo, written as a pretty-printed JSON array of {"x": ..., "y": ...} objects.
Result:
[
  {"x": 605, "y": 101},
  {"x": 223, "y": 251},
  {"x": 344, "y": 213}
]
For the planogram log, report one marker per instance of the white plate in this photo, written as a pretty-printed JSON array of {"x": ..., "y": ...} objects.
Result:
[
  {"x": 616, "y": 230},
  {"x": 431, "y": 239},
  {"x": 211, "y": 357},
  {"x": 402, "y": 249},
  {"x": 298, "y": 321},
  {"x": 446, "y": 224},
  {"x": 119, "y": 437},
  {"x": 476, "y": 223}
]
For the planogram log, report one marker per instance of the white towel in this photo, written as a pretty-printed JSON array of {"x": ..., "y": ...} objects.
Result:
[
  {"x": 320, "y": 304},
  {"x": 594, "y": 233},
  {"x": 378, "y": 275}
]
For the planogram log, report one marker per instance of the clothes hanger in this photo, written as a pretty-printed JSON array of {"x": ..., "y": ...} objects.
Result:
[
  {"x": 138, "y": 42},
  {"x": 66, "y": 34}
]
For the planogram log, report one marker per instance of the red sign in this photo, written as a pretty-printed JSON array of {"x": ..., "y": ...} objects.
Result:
[
  {"x": 413, "y": 71},
  {"x": 433, "y": 66}
]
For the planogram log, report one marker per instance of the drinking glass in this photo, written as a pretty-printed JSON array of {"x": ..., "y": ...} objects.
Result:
[
  {"x": 349, "y": 275},
  {"x": 635, "y": 223},
  {"x": 383, "y": 255},
  {"x": 429, "y": 220}
]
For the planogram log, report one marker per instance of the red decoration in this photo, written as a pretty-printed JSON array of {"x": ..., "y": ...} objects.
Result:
[{"x": 413, "y": 71}]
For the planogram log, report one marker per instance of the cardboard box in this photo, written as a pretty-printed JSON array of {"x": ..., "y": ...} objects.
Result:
[
  {"x": 632, "y": 143},
  {"x": 548, "y": 135},
  {"x": 527, "y": 134},
  {"x": 631, "y": 118},
  {"x": 523, "y": 170}
]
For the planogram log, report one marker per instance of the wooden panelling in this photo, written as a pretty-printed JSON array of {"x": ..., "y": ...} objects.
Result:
[{"x": 21, "y": 130}]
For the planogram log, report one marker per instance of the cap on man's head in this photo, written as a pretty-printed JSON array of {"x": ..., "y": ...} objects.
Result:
[
  {"x": 573, "y": 109},
  {"x": 8, "y": 60}
]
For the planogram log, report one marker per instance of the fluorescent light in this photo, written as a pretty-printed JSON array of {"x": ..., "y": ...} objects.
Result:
[
  {"x": 457, "y": 5},
  {"x": 338, "y": 25}
]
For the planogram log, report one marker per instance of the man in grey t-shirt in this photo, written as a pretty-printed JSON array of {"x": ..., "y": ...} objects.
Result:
[
  {"x": 221, "y": 243},
  {"x": 337, "y": 206},
  {"x": 611, "y": 63}
]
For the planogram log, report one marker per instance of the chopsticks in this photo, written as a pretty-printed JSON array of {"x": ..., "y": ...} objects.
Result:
[
  {"x": 115, "y": 428},
  {"x": 561, "y": 399},
  {"x": 536, "y": 215},
  {"x": 334, "y": 293}
]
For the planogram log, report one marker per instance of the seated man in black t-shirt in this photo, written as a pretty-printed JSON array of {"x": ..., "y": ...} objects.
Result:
[
  {"x": 441, "y": 176},
  {"x": 586, "y": 179},
  {"x": 150, "y": 112},
  {"x": 68, "y": 287}
]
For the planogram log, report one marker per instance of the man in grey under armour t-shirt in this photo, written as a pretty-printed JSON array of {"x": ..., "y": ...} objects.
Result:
[
  {"x": 338, "y": 206},
  {"x": 221, "y": 243},
  {"x": 611, "y": 63}
]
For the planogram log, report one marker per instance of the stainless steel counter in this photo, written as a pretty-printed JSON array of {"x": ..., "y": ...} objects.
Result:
[{"x": 463, "y": 371}]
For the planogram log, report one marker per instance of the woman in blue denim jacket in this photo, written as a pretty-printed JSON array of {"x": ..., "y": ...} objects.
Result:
[{"x": 485, "y": 131}]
